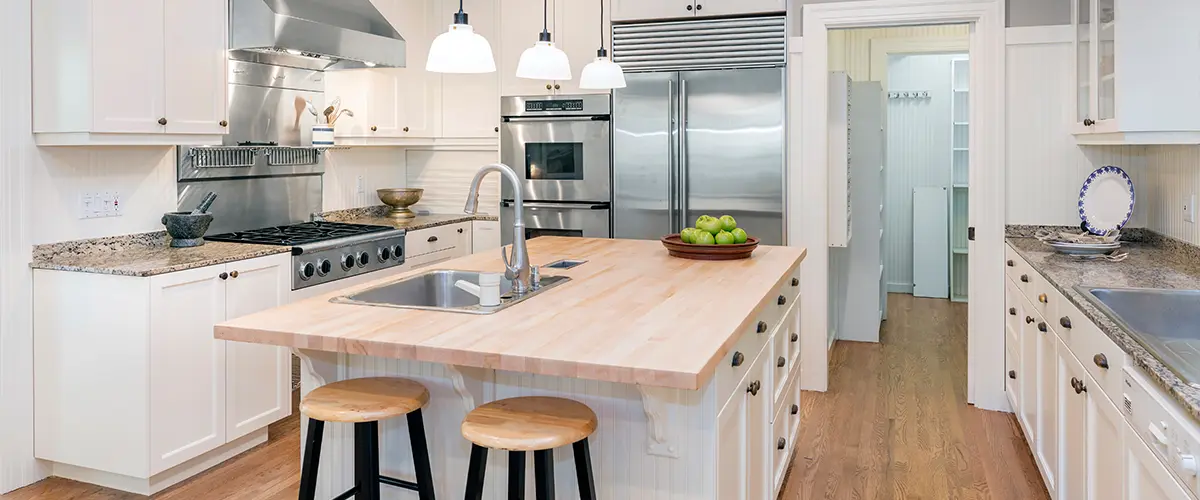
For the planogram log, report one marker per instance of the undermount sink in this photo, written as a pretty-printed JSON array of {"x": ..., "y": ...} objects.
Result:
[
  {"x": 435, "y": 291},
  {"x": 1166, "y": 322}
]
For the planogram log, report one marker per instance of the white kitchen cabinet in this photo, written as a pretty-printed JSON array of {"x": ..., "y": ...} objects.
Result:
[
  {"x": 1072, "y": 427},
  {"x": 639, "y": 10},
  {"x": 171, "y": 400},
  {"x": 485, "y": 236},
  {"x": 1131, "y": 88},
  {"x": 1047, "y": 447},
  {"x": 471, "y": 102},
  {"x": 1105, "y": 440},
  {"x": 743, "y": 428},
  {"x": 138, "y": 72},
  {"x": 574, "y": 28},
  {"x": 1145, "y": 477},
  {"x": 426, "y": 247},
  {"x": 578, "y": 28},
  {"x": 738, "y": 7}
]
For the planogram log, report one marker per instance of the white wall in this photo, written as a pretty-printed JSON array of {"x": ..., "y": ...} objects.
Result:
[
  {"x": 1171, "y": 174},
  {"x": 446, "y": 177},
  {"x": 377, "y": 167},
  {"x": 918, "y": 153}
]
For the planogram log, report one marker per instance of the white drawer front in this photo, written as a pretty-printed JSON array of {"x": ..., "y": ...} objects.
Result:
[
  {"x": 781, "y": 357},
  {"x": 435, "y": 244}
]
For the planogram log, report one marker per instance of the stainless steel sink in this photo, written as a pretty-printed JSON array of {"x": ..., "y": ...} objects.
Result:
[
  {"x": 435, "y": 291},
  {"x": 1166, "y": 322}
]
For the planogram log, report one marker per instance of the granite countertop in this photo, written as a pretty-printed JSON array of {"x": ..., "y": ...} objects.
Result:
[
  {"x": 144, "y": 254},
  {"x": 1161, "y": 264},
  {"x": 377, "y": 216}
]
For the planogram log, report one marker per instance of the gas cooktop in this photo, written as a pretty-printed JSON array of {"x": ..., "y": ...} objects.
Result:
[{"x": 298, "y": 234}]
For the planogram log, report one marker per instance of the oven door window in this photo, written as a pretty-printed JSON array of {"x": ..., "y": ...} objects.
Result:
[
  {"x": 534, "y": 233},
  {"x": 554, "y": 161}
]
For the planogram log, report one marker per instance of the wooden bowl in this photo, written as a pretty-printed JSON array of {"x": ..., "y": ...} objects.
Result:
[{"x": 677, "y": 248}]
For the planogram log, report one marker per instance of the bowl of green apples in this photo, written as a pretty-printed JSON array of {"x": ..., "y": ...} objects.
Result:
[{"x": 712, "y": 238}]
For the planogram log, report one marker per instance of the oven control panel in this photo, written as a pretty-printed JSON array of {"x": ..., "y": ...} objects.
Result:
[
  {"x": 532, "y": 106},
  {"x": 1170, "y": 434}
]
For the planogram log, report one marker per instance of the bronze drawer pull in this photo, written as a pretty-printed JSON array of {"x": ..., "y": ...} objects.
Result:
[
  {"x": 795, "y": 409},
  {"x": 754, "y": 387},
  {"x": 1101, "y": 360},
  {"x": 1042, "y": 327},
  {"x": 432, "y": 239},
  {"x": 780, "y": 362},
  {"x": 782, "y": 300},
  {"x": 1024, "y": 278},
  {"x": 1012, "y": 311},
  {"x": 781, "y": 444},
  {"x": 1028, "y": 319},
  {"x": 1065, "y": 322},
  {"x": 762, "y": 327},
  {"x": 374, "y": 128},
  {"x": 795, "y": 337},
  {"x": 1012, "y": 374},
  {"x": 223, "y": 276},
  {"x": 738, "y": 358},
  {"x": 795, "y": 281},
  {"x": 1043, "y": 298},
  {"x": 1011, "y": 263},
  {"x": 233, "y": 274}
]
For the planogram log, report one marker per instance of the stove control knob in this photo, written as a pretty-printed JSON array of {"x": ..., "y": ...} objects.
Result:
[
  {"x": 324, "y": 266},
  {"x": 363, "y": 259},
  {"x": 397, "y": 252},
  {"x": 348, "y": 262},
  {"x": 385, "y": 254},
  {"x": 307, "y": 270},
  {"x": 1188, "y": 464}
]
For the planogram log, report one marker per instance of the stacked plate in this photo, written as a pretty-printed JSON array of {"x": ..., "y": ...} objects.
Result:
[{"x": 1084, "y": 248}]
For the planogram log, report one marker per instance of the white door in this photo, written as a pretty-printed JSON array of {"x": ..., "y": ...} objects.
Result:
[
  {"x": 1105, "y": 442},
  {"x": 195, "y": 66},
  {"x": 385, "y": 101},
  {"x": 1145, "y": 477},
  {"x": 405, "y": 99},
  {"x": 1046, "y": 414},
  {"x": 738, "y": 7},
  {"x": 127, "y": 66},
  {"x": 520, "y": 23},
  {"x": 931, "y": 242},
  {"x": 732, "y": 451},
  {"x": 578, "y": 32},
  {"x": 469, "y": 105},
  {"x": 1072, "y": 427},
  {"x": 258, "y": 383},
  {"x": 636, "y": 10},
  {"x": 187, "y": 366}
]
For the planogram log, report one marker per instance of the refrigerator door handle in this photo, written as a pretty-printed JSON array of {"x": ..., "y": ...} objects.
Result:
[
  {"x": 671, "y": 182},
  {"x": 683, "y": 154}
]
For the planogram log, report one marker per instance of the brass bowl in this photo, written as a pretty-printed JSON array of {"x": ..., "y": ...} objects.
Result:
[{"x": 400, "y": 199}]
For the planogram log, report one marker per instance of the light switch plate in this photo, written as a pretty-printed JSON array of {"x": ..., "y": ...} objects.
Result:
[{"x": 1189, "y": 208}]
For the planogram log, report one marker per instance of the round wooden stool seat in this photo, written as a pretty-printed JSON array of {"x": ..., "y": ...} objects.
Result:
[
  {"x": 529, "y": 423},
  {"x": 364, "y": 399}
]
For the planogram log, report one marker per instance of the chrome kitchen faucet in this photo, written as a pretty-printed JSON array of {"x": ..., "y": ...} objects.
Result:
[{"x": 517, "y": 268}]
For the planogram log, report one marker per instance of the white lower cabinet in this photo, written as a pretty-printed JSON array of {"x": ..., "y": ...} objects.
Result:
[
  {"x": 258, "y": 378},
  {"x": 742, "y": 431},
  {"x": 1045, "y": 404},
  {"x": 1145, "y": 477},
  {"x": 1072, "y": 427},
  {"x": 485, "y": 236},
  {"x": 1105, "y": 439},
  {"x": 426, "y": 247}
]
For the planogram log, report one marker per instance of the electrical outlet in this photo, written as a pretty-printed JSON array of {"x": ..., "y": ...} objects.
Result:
[
  {"x": 361, "y": 186},
  {"x": 88, "y": 206},
  {"x": 1189, "y": 208},
  {"x": 99, "y": 204}
]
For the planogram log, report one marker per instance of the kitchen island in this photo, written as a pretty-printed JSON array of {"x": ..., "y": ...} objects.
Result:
[{"x": 690, "y": 366}]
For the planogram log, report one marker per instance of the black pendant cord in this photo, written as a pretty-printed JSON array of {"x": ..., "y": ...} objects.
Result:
[
  {"x": 545, "y": 35},
  {"x": 601, "y": 52},
  {"x": 460, "y": 17}
]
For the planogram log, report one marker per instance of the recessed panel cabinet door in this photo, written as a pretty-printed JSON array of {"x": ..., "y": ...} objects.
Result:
[
  {"x": 1145, "y": 477},
  {"x": 1049, "y": 383},
  {"x": 743, "y": 429},
  {"x": 127, "y": 66},
  {"x": 469, "y": 104},
  {"x": 258, "y": 384},
  {"x": 520, "y": 23},
  {"x": 579, "y": 29},
  {"x": 736, "y": 7},
  {"x": 731, "y": 449},
  {"x": 1072, "y": 427},
  {"x": 187, "y": 366},
  {"x": 635, "y": 10},
  {"x": 1105, "y": 440},
  {"x": 195, "y": 66}
]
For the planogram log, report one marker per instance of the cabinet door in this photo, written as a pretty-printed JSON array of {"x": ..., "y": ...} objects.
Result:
[
  {"x": 470, "y": 107},
  {"x": 759, "y": 449},
  {"x": 732, "y": 451},
  {"x": 128, "y": 66},
  {"x": 520, "y": 23},
  {"x": 1146, "y": 478},
  {"x": 578, "y": 33},
  {"x": 1045, "y": 415},
  {"x": 743, "y": 429},
  {"x": 736, "y": 7},
  {"x": 258, "y": 377},
  {"x": 1105, "y": 21},
  {"x": 187, "y": 366},
  {"x": 405, "y": 99},
  {"x": 195, "y": 66},
  {"x": 1105, "y": 442},
  {"x": 352, "y": 86},
  {"x": 1072, "y": 427},
  {"x": 485, "y": 236},
  {"x": 635, "y": 10}
]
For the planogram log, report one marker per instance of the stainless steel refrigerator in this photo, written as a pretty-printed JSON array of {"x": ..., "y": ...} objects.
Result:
[{"x": 688, "y": 143}]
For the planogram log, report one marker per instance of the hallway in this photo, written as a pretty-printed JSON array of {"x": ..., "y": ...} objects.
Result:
[{"x": 895, "y": 423}]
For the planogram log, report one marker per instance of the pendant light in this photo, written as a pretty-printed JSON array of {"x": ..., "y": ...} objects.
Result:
[
  {"x": 544, "y": 61},
  {"x": 602, "y": 73},
  {"x": 460, "y": 49}
]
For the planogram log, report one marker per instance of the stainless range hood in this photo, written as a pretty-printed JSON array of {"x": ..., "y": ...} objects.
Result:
[{"x": 314, "y": 34}]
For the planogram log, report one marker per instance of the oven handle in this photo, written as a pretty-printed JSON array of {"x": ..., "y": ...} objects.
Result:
[
  {"x": 559, "y": 206},
  {"x": 568, "y": 118}
]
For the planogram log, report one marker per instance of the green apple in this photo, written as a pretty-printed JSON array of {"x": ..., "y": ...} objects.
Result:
[
  {"x": 708, "y": 223},
  {"x": 727, "y": 223},
  {"x": 739, "y": 235},
  {"x": 704, "y": 238},
  {"x": 725, "y": 238},
  {"x": 688, "y": 235}
]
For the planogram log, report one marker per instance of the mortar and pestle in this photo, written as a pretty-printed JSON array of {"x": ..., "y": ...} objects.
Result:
[{"x": 187, "y": 228}]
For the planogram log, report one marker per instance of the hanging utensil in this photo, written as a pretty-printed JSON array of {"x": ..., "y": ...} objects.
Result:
[
  {"x": 328, "y": 113},
  {"x": 311, "y": 108},
  {"x": 339, "y": 114}
]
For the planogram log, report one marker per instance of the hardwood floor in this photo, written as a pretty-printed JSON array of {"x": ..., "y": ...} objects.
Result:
[{"x": 894, "y": 425}]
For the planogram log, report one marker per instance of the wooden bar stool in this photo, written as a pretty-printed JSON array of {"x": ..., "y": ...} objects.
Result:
[
  {"x": 537, "y": 424},
  {"x": 364, "y": 402}
]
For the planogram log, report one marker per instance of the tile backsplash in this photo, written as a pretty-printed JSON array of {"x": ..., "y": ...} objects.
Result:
[{"x": 446, "y": 177}]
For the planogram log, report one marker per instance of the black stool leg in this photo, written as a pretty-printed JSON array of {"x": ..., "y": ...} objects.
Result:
[
  {"x": 366, "y": 460},
  {"x": 543, "y": 474},
  {"x": 516, "y": 475},
  {"x": 475, "y": 472},
  {"x": 312, "y": 460},
  {"x": 583, "y": 470},
  {"x": 420, "y": 449}
]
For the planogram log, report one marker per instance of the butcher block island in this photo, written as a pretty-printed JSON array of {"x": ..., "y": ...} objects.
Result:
[{"x": 691, "y": 367}]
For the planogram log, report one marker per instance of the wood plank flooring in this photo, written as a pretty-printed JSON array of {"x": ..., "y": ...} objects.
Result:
[{"x": 894, "y": 425}]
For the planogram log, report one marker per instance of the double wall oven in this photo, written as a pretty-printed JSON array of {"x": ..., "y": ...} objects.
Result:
[{"x": 561, "y": 148}]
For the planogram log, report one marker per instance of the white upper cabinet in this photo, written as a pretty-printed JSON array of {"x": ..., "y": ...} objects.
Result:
[
  {"x": 1131, "y": 85},
  {"x": 578, "y": 30},
  {"x": 135, "y": 72},
  {"x": 575, "y": 28},
  {"x": 471, "y": 103},
  {"x": 641, "y": 10}
]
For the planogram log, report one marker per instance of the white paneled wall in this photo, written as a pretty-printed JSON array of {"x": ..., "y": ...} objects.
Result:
[
  {"x": 918, "y": 153},
  {"x": 850, "y": 50},
  {"x": 446, "y": 177},
  {"x": 371, "y": 168},
  {"x": 1171, "y": 175}
]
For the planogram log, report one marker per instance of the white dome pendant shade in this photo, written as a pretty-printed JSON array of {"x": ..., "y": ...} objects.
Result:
[
  {"x": 602, "y": 73},
  {"x": 460, "y": 49},
  {"x": 544, "y": 61}
]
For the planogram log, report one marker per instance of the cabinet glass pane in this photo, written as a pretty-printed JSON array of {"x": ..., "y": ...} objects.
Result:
[
  {"x": 1106, "y": 67},
  {"x": 962, "y": 103},
  {"x": 958, "y": 277},
  {"x": 962, "y": 75},
  {"x": 958, "y": 220},
  {"x": 961, "y": 162},
  {"x": 961, "y": 135},
  {"x": 1083, "y": 58}
]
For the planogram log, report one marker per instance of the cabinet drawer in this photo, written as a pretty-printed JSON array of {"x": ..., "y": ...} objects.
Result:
[
  {"x": 788, "y": 291},
  {"x": 1014, "y": 265},
  {"x": 1043, "y": 296},
  {"x": 426, "y": 245},
  {"x": 1014, "y": 310},
  {"x": 1012, "y": 374},
  {"x": 780, "y": 446},
  {"x": 1096, "y": 352},
  {"x": 782, "y": 359},
  {"x": 753, "y": 343}
]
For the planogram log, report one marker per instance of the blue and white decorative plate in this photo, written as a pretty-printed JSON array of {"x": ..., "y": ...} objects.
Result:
[{"x": 1106, "y": 200}]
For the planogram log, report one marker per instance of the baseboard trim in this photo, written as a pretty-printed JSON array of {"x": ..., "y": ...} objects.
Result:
[{"x": 164, "y": 479}]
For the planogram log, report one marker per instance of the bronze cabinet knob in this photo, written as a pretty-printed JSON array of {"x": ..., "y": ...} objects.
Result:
[
  {"x": 374, "y": 128},
  {"x": 738, "y": 359},
  {"x": 795, "y": 409},
  {"x": 549, "y": 87},
  {"x": 223, "y": 275},
  {"x": 162, "y": 121},
  {"x": 406, "y": 129},
  {"x": 224, "y": 123},
  {"x": 1011, "y": 263},
  {"x": 1012, "y": 374},
  {"x": 795, "y": 337},
  {"x": 762, "y": 327},
  {"x": 1024, "y": 278},
  {"x": 782, "y": 300},
  {"x": 556, "y": 87},
  {"x": 497, "y": 129},
  {"x": 460, "y": 230},
  {"x": 1087, "y": 122},
  {"x": 698, "y": 6},
  {"x": 432, "y": 239},
  {"x": 1065, "y": 322},
  {"x": 689, "y": 8},
  {"x": 1101, "y": 360},
  {"x": 795, "y": 281},
  {"x": 1043, "y": 298},
  {"x": 780, "y": 362},
  {"x": 1012, "y": 311},
  {"x": 781, "y": 444},
  {"x": 1029, "y": 319},
  {"x": 1042, "y": 326},
  {"x": 233, "y": 274}
]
